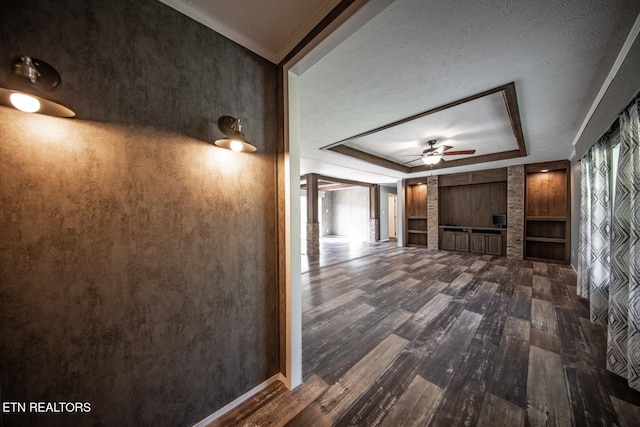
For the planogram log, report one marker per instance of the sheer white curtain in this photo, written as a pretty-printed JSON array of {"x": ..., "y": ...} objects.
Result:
[{"x": 623, "y": 343}]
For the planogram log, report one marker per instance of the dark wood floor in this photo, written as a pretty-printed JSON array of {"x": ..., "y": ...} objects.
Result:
[{"x": 413, "y": 337}]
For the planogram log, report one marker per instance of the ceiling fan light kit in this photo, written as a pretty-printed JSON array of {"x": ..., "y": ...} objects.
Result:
[
  {"x": 431, "y": 159},
  {"x": 434, "y": 155}
]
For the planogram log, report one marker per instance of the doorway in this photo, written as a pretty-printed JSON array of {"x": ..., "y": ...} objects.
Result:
[
  {"x": 393, "y": 216},
  {"x": 298, "y": 61}
]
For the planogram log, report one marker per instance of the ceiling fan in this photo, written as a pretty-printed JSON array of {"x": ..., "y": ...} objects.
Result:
[{"x": 433, "y": 155}]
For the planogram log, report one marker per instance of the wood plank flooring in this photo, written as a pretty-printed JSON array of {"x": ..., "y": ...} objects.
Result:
[{"x": 413, "y": 337}]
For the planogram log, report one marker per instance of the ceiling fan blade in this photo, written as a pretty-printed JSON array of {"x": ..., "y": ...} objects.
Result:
[
  {"x": 443, "y": 148},
  {"x": 458, "y": 153},
  {"x": 411, "y": 161}
]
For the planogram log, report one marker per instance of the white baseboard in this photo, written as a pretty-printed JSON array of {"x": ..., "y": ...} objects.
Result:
[{"x": 220, "y": 412}]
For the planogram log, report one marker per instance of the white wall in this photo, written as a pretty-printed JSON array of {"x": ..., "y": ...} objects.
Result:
[{"x": 351, "y": 213}]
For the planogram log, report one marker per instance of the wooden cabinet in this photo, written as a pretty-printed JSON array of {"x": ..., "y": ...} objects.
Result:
[
  {"x": 448, "y": 241},
  {"x": 478, "y": 240},
  {"x": 455, "y": 241},
  {"x": 493, "y": 245},
  {"x": 547, "y": 212},
  {"x": 478, "y": 243},
  {"x": 486, "y": 243},
  {"x": 416, "y": 213},
  {"x": 462, "y": 241}
]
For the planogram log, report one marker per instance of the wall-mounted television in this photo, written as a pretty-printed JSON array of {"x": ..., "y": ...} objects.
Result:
[{"x": 500, "y": 220}]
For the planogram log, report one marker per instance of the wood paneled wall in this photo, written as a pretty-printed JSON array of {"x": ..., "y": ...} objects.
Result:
[
  {"x": 472, "y": 205},
  {"x": 417, "y": 200},
  {"x": 547, "y": 194}
]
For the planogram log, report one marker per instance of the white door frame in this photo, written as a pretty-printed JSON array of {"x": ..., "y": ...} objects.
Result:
[
  {"x": 357, "y": 14},
  {"x": 393, "y": 215}
]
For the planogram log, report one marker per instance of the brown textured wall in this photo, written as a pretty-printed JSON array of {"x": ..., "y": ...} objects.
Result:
[{"x": 137, "y": 260}]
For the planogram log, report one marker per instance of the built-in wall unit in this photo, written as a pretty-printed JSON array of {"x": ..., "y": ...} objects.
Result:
[
  {"x": 472, "y": 211},
  {"x": 416, "y": 212},
  {"x": 547, "y": 212}
]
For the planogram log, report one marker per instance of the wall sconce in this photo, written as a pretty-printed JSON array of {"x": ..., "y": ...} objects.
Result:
[
  {"x": 235, "y": 138},
  {"x": 26, "y": 85}
]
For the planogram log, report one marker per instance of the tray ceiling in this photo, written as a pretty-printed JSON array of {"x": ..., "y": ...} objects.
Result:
[
  {"x": 415, "y": 56},
  {"x": 487, "y": 123}
]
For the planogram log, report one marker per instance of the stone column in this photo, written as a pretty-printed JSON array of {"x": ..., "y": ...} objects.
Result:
[
  {"x": 313, "y": 226},
  {"x": 313, "y": 238},
  {"x": 374, "y": 213},
  {"x": 374, "y": 227},
  {"x": 515, "y": 212},
  {"x": 432, "y": 212}
]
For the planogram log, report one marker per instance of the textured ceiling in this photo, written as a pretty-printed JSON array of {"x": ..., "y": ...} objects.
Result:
[
  {"x": 417, "y": 55},
  {"x": 410, "y": 56}
]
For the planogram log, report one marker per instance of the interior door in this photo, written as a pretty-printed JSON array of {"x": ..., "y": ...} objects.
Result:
[{"x": 393, "y": 210}]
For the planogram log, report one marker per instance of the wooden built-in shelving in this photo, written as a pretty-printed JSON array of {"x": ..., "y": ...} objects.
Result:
[
  {"x": 416, "y": 211},
  {"x": 466, "y": 205},
  {"x": 547, "y": 212}
]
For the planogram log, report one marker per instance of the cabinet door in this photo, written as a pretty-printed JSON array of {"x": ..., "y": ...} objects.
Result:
[
  {"x": 477, "y": 243},
  {"x": 448, "y": 241},
  {"x": 494, "y": 244},
  {"x": 462, "y": 242}
]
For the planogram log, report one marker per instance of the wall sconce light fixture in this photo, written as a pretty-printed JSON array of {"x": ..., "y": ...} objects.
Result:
[
  {"x": 235, "y": 138},
  {"x": 26, "y": 87}
]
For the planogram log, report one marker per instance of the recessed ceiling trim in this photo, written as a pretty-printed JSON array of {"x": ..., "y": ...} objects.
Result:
[
  {"x": 511, "y": 101},
  {"x": 330, "y": 186},
  {"x": 344, "y": 181},
  {"x": 368, "y": 157},
  {"x": 508, "y": 92},
  {"x": 485, "y": 158},
  {"x": 328, "y": 183}
]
